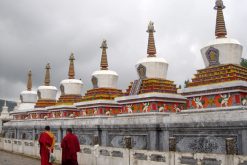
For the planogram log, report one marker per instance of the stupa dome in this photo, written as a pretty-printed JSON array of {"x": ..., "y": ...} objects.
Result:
[
  {"x": 71, "y": 87},
  {"x": 105, "y": 78},
  {"x": 154, "y": 67},
  {"x": 28, "y": 96},
  {"x": 47, "y": 92},
  {"x": 222, "y": 51}
]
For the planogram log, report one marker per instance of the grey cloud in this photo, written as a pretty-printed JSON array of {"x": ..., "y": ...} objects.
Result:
[{"x": 36, "y": 32}]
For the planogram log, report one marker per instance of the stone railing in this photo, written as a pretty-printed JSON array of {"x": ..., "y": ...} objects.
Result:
[{"x": 98, "y": 155}]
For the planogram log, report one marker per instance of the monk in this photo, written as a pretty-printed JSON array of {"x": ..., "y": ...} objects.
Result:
[
  {"x": 46, "y": 142},
  {"x": 70, "y": 146}
]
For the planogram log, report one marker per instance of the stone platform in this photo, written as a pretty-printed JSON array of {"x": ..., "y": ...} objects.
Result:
[{"x": 194, "y": 130}]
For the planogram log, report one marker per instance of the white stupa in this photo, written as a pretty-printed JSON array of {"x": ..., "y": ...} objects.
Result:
[
  {"x": 5, "y": 113},
  {"x": 152, "y": 66},
  {"x": 71, "y": 91},
  {"x": 46, "y": 91},
  {"x": 221, "y": 50},
  {"x": 104, "y": 78},
  {"x": 28, "y": 99},
  {"x": 71, "y": 86}
]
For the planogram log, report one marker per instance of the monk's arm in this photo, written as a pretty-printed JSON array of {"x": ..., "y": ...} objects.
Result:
[{"x": 53, "y": 142}]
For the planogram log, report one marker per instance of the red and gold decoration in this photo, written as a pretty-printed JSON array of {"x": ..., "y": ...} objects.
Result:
[
  {"x": 154, "y": 85},
  {"x": 101, "y": 110},
  {"x": 45, "y": 103},
  {"x": 68, "y": 99},
  {"x": 102, "y": 94},
  {"x": 219, "y": 74},
  {"x": 153, "y": 106}
]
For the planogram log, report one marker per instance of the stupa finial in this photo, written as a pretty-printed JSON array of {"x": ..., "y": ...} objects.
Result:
[
  {"x": 220, "y": 29},
  {"x": 151, "y": 51},
  {"x": 47, "y": 75},
  {"x": 29, "y": 81},
  {"x": 71, "y": 67},
  {"x": 5, "y": 103},
  {"x": 104, "y": 63}
]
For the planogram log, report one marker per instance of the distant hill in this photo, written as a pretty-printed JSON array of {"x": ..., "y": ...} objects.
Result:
[{"x": 10, "y": 104}]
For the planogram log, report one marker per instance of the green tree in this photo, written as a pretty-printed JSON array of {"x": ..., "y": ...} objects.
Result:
[{"x": 243, "y": 62}]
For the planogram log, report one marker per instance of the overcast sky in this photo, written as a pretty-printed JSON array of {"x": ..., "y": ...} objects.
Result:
[{"x": 34, "y": 32}]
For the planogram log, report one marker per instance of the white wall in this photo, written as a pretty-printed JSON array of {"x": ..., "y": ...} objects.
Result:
[{"x": 90, "y": 155}]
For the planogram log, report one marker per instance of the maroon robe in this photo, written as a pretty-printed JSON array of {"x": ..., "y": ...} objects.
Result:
[
  {"x": 70, "y": 146},
  {"x": 45, "y": 141}
]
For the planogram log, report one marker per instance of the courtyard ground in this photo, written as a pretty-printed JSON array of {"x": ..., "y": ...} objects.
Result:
[{"x": 7, "y": 158}]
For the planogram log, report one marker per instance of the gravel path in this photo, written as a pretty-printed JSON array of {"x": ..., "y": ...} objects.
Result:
[{"x": 13, "y": 159}]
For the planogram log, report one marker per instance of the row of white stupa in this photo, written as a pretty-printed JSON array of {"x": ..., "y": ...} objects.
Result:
[{"x": 230, "y": 52}]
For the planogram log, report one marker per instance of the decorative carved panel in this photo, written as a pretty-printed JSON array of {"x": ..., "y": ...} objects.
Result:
[
  {"x": 62, "y": 89},
  {"x": 117, "y": 154},
  {"x": 94, "y": 82},
  {"x": 157, "y": 158},
  {"x": 140, "y": 156},
  {"x": 211, "y": 161},
  {"x": 212, "y": 55},
  {"x": 138, "y": 142},
  {"x": 21, "y": 98},
  {"x": 188, "y": 160},
  {"x": 141, "y": 69},
  {"x": 85, "y": 139},
  {"x": 202, "y": 144},
  {"x": 39, "y": 94}
]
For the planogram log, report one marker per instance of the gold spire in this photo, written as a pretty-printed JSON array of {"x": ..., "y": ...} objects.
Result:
[
  {"x": 220, "y": 29},
  {"x": 47, "y": 75},
  {"x": 104, "y": 63},
  {"x": 151, "y": 51},
  {"x": 29, "y": 81},
  {"x": 71, "y": 67}
]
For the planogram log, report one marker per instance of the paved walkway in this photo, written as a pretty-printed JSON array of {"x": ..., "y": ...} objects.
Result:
[{"x": 13, "y": 159}]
